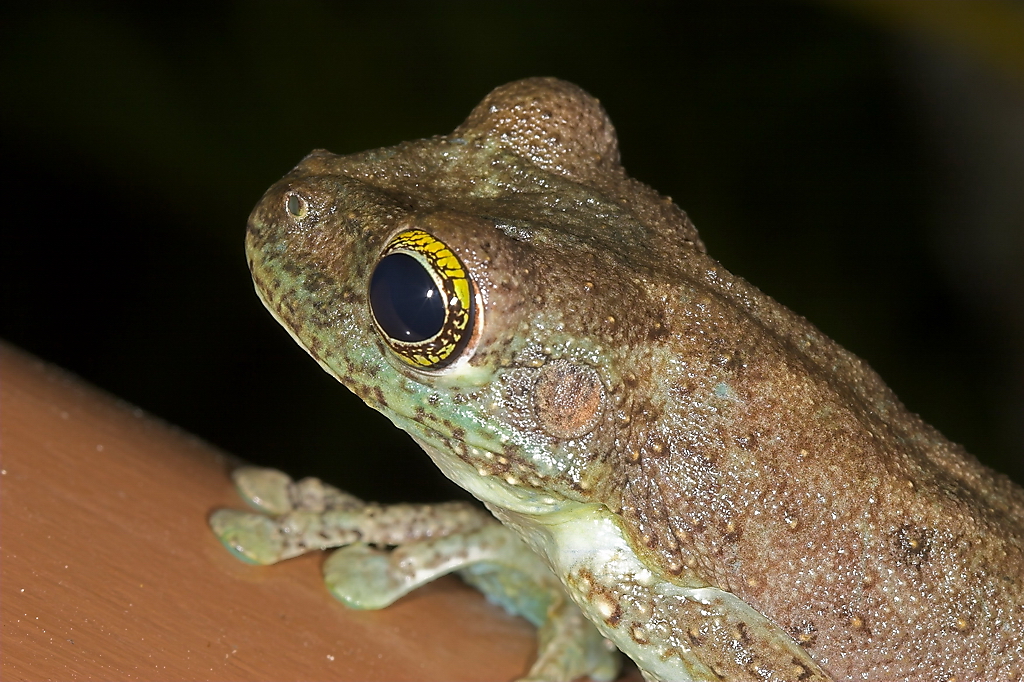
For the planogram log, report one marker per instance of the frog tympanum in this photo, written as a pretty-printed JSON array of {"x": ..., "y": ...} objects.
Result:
[{"x": 704, "y": 479}]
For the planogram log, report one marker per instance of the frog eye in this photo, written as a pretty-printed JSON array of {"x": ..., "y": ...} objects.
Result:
[{"x": 421, "y": 299}]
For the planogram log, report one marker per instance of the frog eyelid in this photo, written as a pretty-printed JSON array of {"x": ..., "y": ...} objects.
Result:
[{"x": 422, "y": 301}]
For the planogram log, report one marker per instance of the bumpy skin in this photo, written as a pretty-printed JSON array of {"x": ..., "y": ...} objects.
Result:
[{"x": 724, "y": 491}]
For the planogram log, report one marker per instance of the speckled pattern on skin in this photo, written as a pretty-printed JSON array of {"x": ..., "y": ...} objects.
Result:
[{"x": 774, "y": 510}]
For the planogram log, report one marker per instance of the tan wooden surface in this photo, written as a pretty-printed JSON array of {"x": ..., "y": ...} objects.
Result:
[{"x": 109, "y": 571}]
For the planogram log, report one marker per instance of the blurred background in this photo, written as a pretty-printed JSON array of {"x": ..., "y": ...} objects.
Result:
[{"x": 861, "y": 162}]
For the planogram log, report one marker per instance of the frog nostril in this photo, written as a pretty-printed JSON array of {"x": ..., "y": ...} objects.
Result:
[{"x": 296, "y": 205}]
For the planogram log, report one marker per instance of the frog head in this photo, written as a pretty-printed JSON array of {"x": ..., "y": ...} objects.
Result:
[{"x": 492, "y": 291}]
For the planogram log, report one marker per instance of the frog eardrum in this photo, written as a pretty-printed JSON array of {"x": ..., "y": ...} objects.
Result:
[{"x": 422, "y": 300}]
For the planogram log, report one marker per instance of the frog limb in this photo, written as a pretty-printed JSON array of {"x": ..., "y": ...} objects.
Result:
[
  {"x": 567, "y": 641},
  {"x": 428, "y": 541},
  {"x": 314, "y": 515},
  {"x": 496, "y": 562},
  {"x": 365, "y": 577},
  {"x": 264, "y": 540}
]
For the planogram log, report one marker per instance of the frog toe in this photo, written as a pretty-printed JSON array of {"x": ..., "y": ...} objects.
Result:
[
  {"x": 360, "y": 577},
  {"x": 570, "y": 647},
  {"x": 265, "y": 489},
  {"x": 253, "y": 538}
]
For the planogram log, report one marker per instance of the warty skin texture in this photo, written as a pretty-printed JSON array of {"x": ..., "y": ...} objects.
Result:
[{"x": 734, "y": 445}]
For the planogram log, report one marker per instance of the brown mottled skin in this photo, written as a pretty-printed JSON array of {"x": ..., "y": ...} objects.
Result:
[{"x": 734, "y": 444}]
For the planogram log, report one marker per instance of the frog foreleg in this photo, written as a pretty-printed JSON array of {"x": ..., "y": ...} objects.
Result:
[
  {"x": 495, "y": 561},
  {"x": 312, "y": 515},
  {"x": 366, "y": 577},
  {"x": 427, "y": 541},
  {"x": 567, "y": 641}
]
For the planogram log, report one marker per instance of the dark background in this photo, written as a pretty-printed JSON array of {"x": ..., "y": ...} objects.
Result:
[{"x": 863, "y": 163}]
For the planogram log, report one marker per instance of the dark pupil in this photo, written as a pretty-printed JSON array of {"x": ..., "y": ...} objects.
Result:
[{"x": 404, "y": 299}]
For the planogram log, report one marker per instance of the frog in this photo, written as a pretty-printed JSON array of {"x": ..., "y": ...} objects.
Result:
[{"x": 675, "y": 465}]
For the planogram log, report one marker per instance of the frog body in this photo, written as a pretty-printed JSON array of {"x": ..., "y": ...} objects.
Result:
[{"x": 721, "y": 489}]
